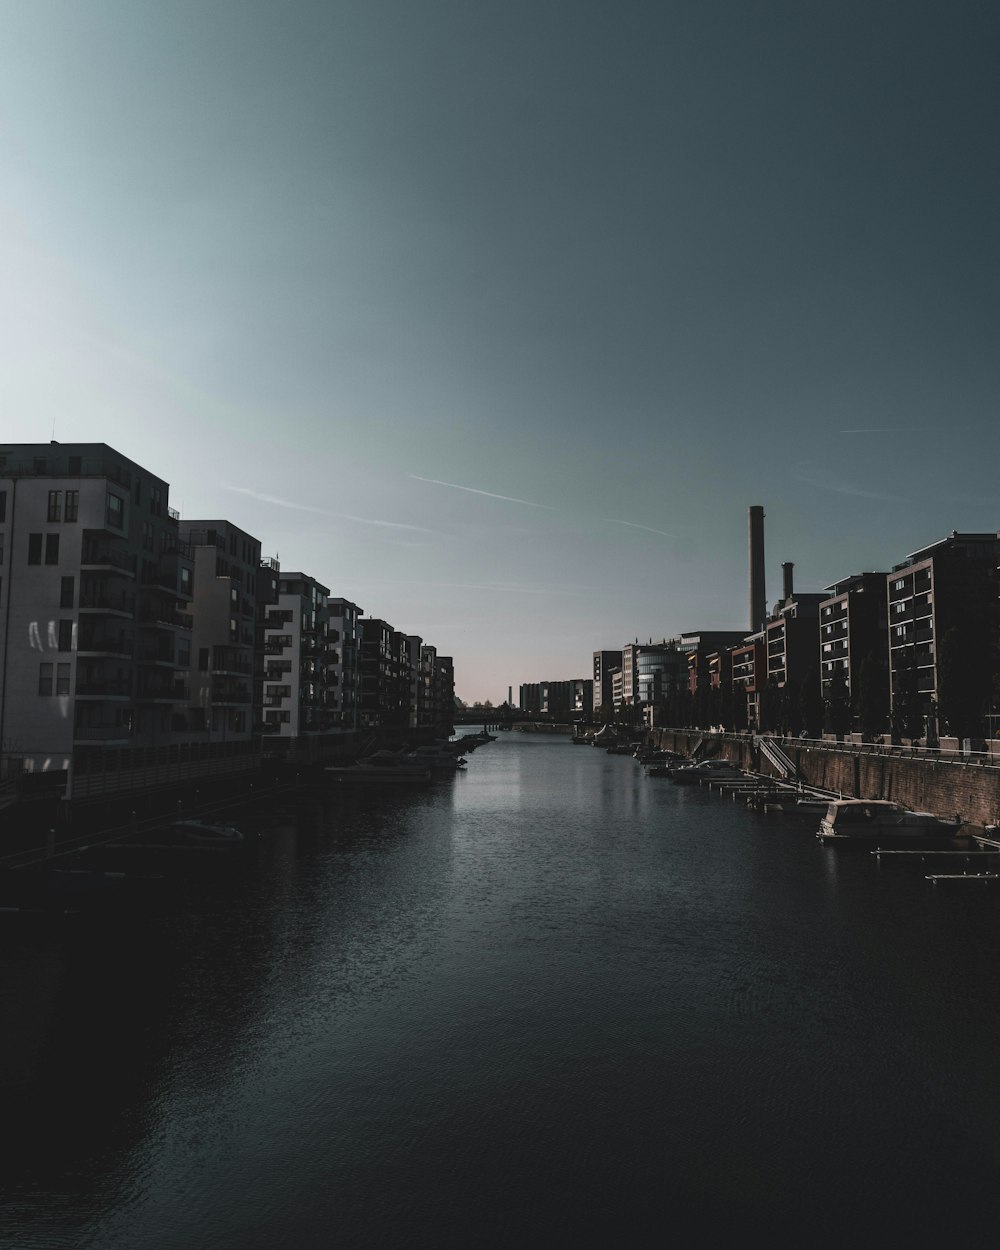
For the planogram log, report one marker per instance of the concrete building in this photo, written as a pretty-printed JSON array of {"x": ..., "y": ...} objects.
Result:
[
  {"x": 410, "y": 678},
  {"x": 343, "y": 664},
  {"x": 792, "y": 635},
  {"x": 943, "y": 622},
  {"x": 749, "y": 677},
  {"x": 605, "y": 663},
  {"x": 96, "y": 588},
  {"x": 224, "y": 632},
  {"x": 853, "y": 628},
  {"x": 379, "y": 699},
  {"x": 296, "y": 712},
  {"x": 572, "y": 698}
]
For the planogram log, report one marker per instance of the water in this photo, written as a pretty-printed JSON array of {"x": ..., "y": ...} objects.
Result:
[{"x": 546, "y": 1003}]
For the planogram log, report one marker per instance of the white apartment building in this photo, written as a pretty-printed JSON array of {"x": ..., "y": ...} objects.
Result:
[{"x": 95, "y": 632}]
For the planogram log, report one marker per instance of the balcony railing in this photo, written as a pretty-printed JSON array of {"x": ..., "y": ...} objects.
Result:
[
  {"x": 115, "y": 689},
  {"x": 106, "y": 646},
  {"x": 107, "y": 557}
]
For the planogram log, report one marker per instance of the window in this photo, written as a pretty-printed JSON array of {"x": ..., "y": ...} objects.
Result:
[
  {"x": 115, "y": 511},
  {"x": 45, "y": 679},
  {"x": 156, "y": 501},
  {"x": 72, "y": 504},
  {"x": 40, "y": 466},
  {"x": 1, "y": 548},
  {"x": 75, "y": 466},
  {"x": 62, "y": 679},
  {"x": 185, "y": 582},
  {"x": 148, "y": 538},
  {"x": 55, "y": 505},
  {"x": 66, "y": 592},
  {"x": 34, "y": 548},
  {"x": 3, "y": 505},
  {"x": 203, "y": 660},
  {"x": 65, "y": 635},
  {"x": 51, "y": 548}
]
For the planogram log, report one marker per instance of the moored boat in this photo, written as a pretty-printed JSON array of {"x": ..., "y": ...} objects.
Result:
[
  {"x": 206, "y": 833},
  {"x": 860, "y": 819}
]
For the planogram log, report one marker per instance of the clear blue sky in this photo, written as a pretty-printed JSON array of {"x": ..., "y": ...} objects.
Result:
[{"x": 621, "y": 269}]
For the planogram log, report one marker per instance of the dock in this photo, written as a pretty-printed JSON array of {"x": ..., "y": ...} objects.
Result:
[{"x": 937, "y": 877}]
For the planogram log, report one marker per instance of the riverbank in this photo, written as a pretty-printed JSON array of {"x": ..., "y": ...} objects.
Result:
[{"x": 947, "y": 787}]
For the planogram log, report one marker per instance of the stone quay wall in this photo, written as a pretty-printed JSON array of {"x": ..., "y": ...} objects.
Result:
[{"x": 946, "y": 787}]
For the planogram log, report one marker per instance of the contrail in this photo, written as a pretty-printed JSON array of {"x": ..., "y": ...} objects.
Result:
[
  {"x": 341, "y": 516},
  {"x": 473, "y": 491},
  {"x": 632, "y": 525}
]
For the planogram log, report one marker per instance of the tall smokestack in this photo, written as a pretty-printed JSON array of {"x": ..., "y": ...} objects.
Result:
[
  {"x": 758, "y": 604},
  {"x": 786, "y": 579}
]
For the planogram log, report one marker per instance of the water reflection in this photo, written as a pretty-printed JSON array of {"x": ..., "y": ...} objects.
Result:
[{"x": 548, "y": 1001}]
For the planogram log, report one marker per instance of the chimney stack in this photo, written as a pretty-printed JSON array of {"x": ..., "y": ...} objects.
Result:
[
  {"x": 786, "y": 579},
  {"x": 758, "y": 604}
]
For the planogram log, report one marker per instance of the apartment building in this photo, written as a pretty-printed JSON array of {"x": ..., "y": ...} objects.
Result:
[
  {"x": 444, "y": 699},
  {"x": 378, "y": 673},
  {"x": 942, "y": 623},
  {"x": 410, "y": 646},
  {"x": 297, "y": 716},
  {"x": 224, "y": 640},
  {"x": 435, "y": 691},
  {"x": 574, "y": 697},
  {"x": 792, "y": 635},
  {"x": 852, "y": 629},
  {"x": 343, "y": 664},
  {"x": 701, "y": 644},
  {"x": 95, "y": 624},
  {"x": 605, "y": 663},
  {"x": 749, "y": 677}
]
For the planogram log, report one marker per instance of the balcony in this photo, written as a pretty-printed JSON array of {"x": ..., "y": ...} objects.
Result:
[
  {"x": 230, "y": 693},
  {"x": 118, "y": 688},
  {"x": 113, "y": 560},
  {"x": 99, "y": 604},
  {"x": 176, "y": 691},
  {"x": 117, "y": 735},
  {"x": 98, "y": 644}
]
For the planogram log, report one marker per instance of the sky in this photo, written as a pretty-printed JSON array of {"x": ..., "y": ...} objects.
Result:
[{"x": 495, "y": 316}]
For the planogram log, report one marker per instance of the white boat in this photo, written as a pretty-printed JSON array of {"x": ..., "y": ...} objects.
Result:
[
  {"x": 691, "y": 773},
  {"x": 880, "y": 818},
  {"x": 207, "y": 833}
]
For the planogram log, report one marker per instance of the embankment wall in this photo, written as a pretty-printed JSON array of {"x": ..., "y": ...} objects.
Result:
[{"x": 947, "y": 788}]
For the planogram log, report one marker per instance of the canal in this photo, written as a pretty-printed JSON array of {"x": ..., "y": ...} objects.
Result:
[{"x": 547, "y": 1002}]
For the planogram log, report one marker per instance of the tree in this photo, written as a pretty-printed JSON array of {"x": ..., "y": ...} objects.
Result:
[
  {"x": 837, "y": 704},
  {"x": 811, "y": 704},
  {"x": 960, "y": 697},
  {"x": 871, "y": 700},
  {"x": 791, "y": 709},
  {"x": 907, "y": 709},
  {"x": 770, "y": 706}
]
